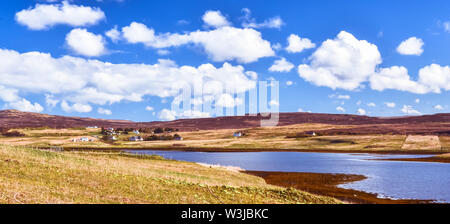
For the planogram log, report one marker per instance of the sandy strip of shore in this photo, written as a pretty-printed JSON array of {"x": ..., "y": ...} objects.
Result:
[{"x": 229, "y": 168}]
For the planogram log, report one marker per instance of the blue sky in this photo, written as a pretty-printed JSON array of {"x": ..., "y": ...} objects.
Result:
[{"x": 357, "y": 57}]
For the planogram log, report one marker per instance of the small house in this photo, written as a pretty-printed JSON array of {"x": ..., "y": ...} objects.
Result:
[
  {"x": 312, "y": 133},
  {"x": 82, "y": 139},
  {"x": 237, "y": 134},
  {"x": 136, "y": 139},
  {"x": 136, "y": 132}
]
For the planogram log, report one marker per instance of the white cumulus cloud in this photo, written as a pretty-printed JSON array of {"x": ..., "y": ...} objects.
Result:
[
  {"x": 221, "y": 44},
  {"x": 361, "y": 111},
  {"x": 44, "y": 16},
  {"x": 411, "y": 46},
  {"x": 297, "y": 44},
  {"x": 407, "y": 109},
  {"x": 25, "y": 105},
  {"x": 215, "y": 19},
  {"x": 340, "y": 109},
  {"x": 390, "y": 104},
  {"x": 249, "y": 22},
  {"x": 438, "y": 107},
  {"x": 85, "y": 43},
  {"x": 167, "y": 115},
  {"x": 340, "y": 97},
  {"x": 395, "y": 77},
  {"x": 76, "y": 107},
  {"x": 104, "y": 111},
  {"x": 344, "y": 62},
  {"x": 113, "y": 34},
  {"x": 76, "y": 81},
  {"x": 435, "y": 77},
  {"x": 226, "y": 100},
  {"x": 281, "y": 65}
]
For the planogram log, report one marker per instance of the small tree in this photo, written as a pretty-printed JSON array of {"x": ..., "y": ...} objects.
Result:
[
  {"x": 151, "y": 138},
  {"x": 159, "y": 130}
]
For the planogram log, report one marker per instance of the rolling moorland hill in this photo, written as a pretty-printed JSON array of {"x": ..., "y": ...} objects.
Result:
[{"x": 426, "y": 124}]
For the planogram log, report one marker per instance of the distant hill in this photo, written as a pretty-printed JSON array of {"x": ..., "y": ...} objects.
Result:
[{"x": 426, "y": 123}]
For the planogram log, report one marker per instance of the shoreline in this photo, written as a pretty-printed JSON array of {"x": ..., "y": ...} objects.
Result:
[
  {"x": 433, "y": 159},
  {"x": 326, "y": 184},
  {"x": 212, "y": 149}
]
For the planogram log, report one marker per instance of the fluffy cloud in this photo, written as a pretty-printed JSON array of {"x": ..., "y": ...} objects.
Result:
[
  {"x": 249, "y": 22},
  {"x": 44, "y": 16},
  {"x": 395, "y": 77},
  {"x": 226, "y": 100},
  {"x": 12, "y": 99},
  {"x": 438, "y": 107},
  {"x": 432, "y": 78},
  {"x": 407, "y": 109},
  {"x": 50, "y": 101},
  {"x": 340, "y": 97},
  {"x": 297, "y": 44},
  {"x": 215, "y": 19},
  {"x": 170, "y": 115},
  {"x": 371, "y": 104},
  {"x": 167, "y": 115},
  {"x": 361, "y": 111},
  {"x": 82, "y": 82},
  {"x": 435, "y": 77},
  {"x": 85, "y": 43},
  {"x": 163, "y": 52},
  {"x": 344, "y": 62},
  {"x": 340, "y": 109},
  {"x": 281, "y": 65},
  {"x": 149, "y": 108},
  {"x": 76, "y": 107},
  {"x": 390, "y": 104},
  {"x": 104, "y": 111},
  {"x": 221, "y": 44},
  {"x": 229, "y": 43},
  {"x": 193, "y": 114},
  {"x": 25, "y": 105},
  {"x": 8, "y": 94},
  {"x": 411, "y": 46},
  {"x": 289, "y": 83},
  {"x": 274, "y": 103},
  {"x": 113, "y": 34}
]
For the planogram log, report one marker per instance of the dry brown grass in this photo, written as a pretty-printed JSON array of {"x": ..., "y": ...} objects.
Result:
[
  {"x": 36, "y": 176},
  {"x": 267, "y": 138}
]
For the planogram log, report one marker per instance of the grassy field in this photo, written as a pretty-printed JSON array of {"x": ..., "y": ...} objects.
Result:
[
  {"x": 34, "y": 176},
  {"x": 268, "y": 138}
]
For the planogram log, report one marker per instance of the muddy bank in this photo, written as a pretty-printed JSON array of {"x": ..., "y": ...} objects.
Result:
[
  {"x": 433, "y": 159},
  {"x": 326, "y": 185}
]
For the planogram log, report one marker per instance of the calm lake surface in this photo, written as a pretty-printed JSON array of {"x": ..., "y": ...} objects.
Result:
[{"x": 389, "y": 179}]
